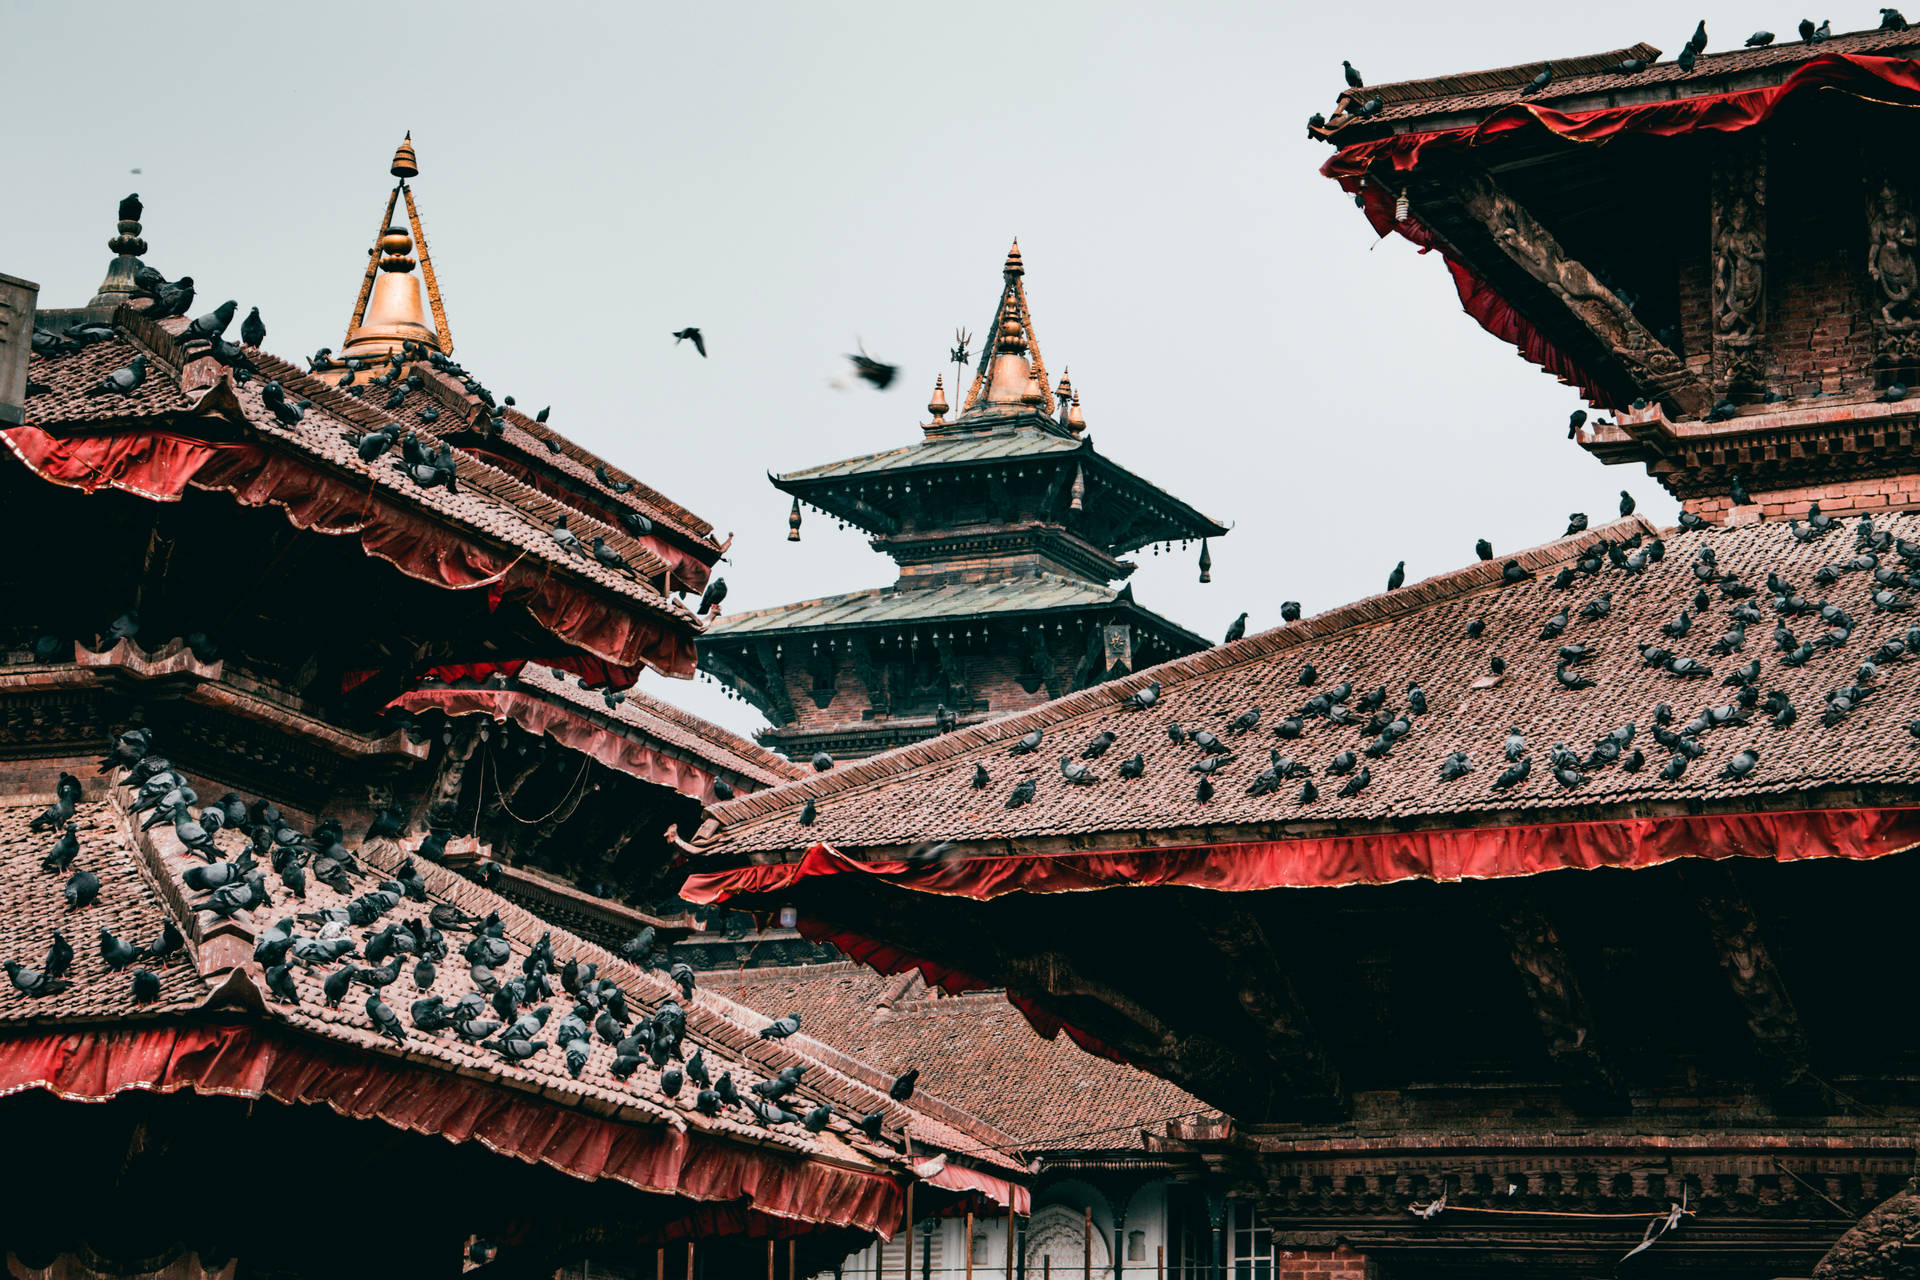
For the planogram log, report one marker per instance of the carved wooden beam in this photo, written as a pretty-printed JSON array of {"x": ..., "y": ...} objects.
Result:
[
  {"x": 1559, "y": 1005},
  {"x": 950, "y": 668},
  {"x": 1530, "y": 247},
  {"x": 869, "y": 674},
  {"x": 739, "y": 675},
  {"x": 1263, "y": 989},
  {"x": 1043, "y": 661},
  {"x": 871, "y": 516},
  {"x": 1739, "y": 312},
  {"x": 452, "y": 772},
  {"x": 776, "y": 679},
  {"x": 1752, "y": 976}
]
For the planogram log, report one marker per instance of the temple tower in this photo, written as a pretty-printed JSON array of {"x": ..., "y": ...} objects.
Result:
[{"x": 1009, "y": 530}]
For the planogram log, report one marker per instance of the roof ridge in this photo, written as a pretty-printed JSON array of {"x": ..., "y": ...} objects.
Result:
[
  {"x": 1519, "y": 73},
  {"x": 892, "y": 765}
]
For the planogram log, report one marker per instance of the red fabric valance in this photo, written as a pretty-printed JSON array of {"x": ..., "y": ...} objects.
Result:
[
  {"x": 160, "y": 465},
  {"x": 570, "y": 729},
  {"x": 1861, "y": 75},
  {"x": 97, "y": 1064},
  {"x": 1469, "y": 854}
]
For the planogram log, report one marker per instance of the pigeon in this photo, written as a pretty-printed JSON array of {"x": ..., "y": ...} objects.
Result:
[
  {"x": 146, "y": 986},
  {"x": 1891, "y": 20},
  {"x": 876, "y": 373},
  {"x": 81, "y": 889},
  {"x": 1289, "y": 611},
  {"x": 211, "y": 325},
  {"x": 1028, "y": 743},
  {"x": 1575, "y": 420},
  {"x": 1497, "y": 665},
  {"x": 59, "y": 957},
  {"x": 808, "y": 812},
  {"x": 1203, "y": 792},
  {"x": 1511, "y": 572},
  {"x": 1236, "y": 629},
  {"x": 122, "y": 382},
  {"x": 711, "y": 598},
  {"x": 253, "y": 330},
  {"x": 821, "y": 762},
  {"x": 781, "y": 1028},
  {"x": 980, "y": 777},
  {"x": 688, "y": 334},
  {"x": 1598, "y": 607},
  {"x": 1353, "y": 77},
  {"x": 681, "y": 975},
  {"x": 1576, "y": 523},
  {"x": 1307, "y": 675},
  {"x": 1141, "y": 699},
  {"x": 1358, "y": 782},
  {"x": 1532, "y": 87},
  {"x": 1514, "y": 774},
  {"x": 116, "y": 952},
  {"x": 1476, "y": 628},
  {"x": 1483, "y": 549},
  {"x": 1698, "y": 40},
  {"x": 63, "y": 852},
  {"x": 1571, "y": 679},
  {"x": 1397, "y": 577},
  {"x": 1676, "y": 765},
  {"x": 34, "y": 982},
  {"x": 1554, "y": 625},
  {"x": 1759, "y": 39},
  {"x": 1133, "y": 766},
  {"x": 902, "y": 1087}
]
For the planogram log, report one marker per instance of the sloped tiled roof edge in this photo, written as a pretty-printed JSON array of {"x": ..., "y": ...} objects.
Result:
[{"x": 1384, "y": 607}]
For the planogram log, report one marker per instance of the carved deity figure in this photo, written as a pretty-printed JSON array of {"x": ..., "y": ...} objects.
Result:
[
  {"x": 1739, "y": 258},
  {"x": 1894, "y": 236}
]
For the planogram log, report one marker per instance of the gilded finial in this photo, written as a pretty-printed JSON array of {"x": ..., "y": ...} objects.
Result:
[
  {"x": 937, "y": 406},
  {"x": 1013, "y": 267},
  {"x": 1206, "y": 562},
  {"x": 405, "y": 163},
  {"x": 394, "y": 248},
  {"x": 1076, "y": 421},
  {"x": 1063, "y": 394},
  {"x": 793, "y": 522}
]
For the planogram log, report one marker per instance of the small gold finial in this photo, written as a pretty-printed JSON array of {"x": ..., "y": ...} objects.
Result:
[
  {"x": 1076, "y": 421},
  {"x": 1013, "y": 267},
  {"x": 793, "y": 522},
  {"x": 405, "y": 163},
  {"x": 1206, "y": 562},
  {"x": 937, "y": 406},
  {"x": 1063, "y": 394},
  {"x": 1079, "y": 499}
]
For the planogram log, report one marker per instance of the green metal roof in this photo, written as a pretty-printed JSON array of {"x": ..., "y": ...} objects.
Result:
[
  {"x": 935, "y": 451},
  {"x": 886, "y": 606}
]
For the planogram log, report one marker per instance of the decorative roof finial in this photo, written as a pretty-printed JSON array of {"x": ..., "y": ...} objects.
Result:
[
  {"x": 405, "y": 163},
  {"x": 1011, "y": 375},
  {"x": 1063, "y": 394},
  {"x": 129, "y": 241},
  {"x": 1206, "y": 562},
  {"x": 1013, "y": 268},
  {"x": 127, "y": 246},
  {"x": 1079, "y": 499},
  {"x": 1076, "y": 421},
  {"x": 793, "y": 522},
  {"x": 937, "y": 406}
]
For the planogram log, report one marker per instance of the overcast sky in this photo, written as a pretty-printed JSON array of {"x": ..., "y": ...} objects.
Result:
[{"x": 791, "y": 177}]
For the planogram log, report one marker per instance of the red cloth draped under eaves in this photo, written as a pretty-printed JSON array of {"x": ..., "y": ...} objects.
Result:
[
  {"x": 159, "y": 465},
  {"x": 1469, "y": 854},
  {"x": 1864, "y": 76},
  {"x": 96, "y": 1065}
]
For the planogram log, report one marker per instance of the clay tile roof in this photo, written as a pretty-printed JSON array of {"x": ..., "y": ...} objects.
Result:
[
  {"x": 957, "y": 601},
  {"x": 489, "y": 502},
  {"x": 1584, "y": 83},
  {"x": 129, "y": 905},
  {"x": 1417, "y": 634},
  {"x": 668, "y": 724},
  {"x": 975, "y": 1051},
  {"x": 728, "y": 1043},
  {"x": 532, "y": 438}
]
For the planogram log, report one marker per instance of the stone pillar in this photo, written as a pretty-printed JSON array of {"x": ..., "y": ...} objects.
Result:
[{"x": 1739, "y": 257}]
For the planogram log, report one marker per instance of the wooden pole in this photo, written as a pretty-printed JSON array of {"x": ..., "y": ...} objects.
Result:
[
  {"x": 1160, "y": 1261},
  {"x": 1009, "y": 1237},
  {"x": 792, "y": 1265},
  {"x": 689, "y": 1260},
  {"x": 1046, "y": 1267},
  {"x": 969, "y": 1244},
  {"x": 770, "y": 1259},
  {"x": 1086, "y": 1243},
  {"x": 660, "y": 1263},
  {"x": 906, "y": 1239}
]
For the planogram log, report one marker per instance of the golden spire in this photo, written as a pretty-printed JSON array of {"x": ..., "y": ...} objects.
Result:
[
  {"x": 1011, "y": 373},
  {"x": 1076, "y": 422},
  {"x": 937, "y": 406},
  {"x": 389, "y": 312}
]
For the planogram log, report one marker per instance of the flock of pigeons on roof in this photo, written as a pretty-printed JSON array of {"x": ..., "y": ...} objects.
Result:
[
  {"x": 1890, "y": 20},
  {"x": 1890, "y": 564},
  {"x": 521, "y": 1005}
]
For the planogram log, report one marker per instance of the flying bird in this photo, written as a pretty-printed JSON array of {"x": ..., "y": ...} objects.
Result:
[
  {"x": 877, "y": 373},
  {"x": 688, "y": 334}
]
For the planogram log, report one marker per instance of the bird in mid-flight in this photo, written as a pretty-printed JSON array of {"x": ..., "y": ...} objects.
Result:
[{"x": 688, "y": 334}]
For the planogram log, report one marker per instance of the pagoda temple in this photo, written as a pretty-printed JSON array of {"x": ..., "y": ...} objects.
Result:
[
  {"x": 1623, "y": 827},
  {"x": 328, "y": 824},
  {"x": 1009, "y": 530}
]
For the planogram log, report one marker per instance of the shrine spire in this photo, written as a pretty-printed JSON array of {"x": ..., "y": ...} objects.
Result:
[
  {"x": 1011, "y": 375},
  {"x": 388, "y": 312}
]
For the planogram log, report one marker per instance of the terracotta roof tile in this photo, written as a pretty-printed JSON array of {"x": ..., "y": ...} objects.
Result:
[
  {"x": 669, "y": 724},
  {"x": 1583, "y": 84},
  {"x": 975, "y": 1051},
  {"x": 1418, "y": 634},
  {"x": 128, "y": 905},
  {"x": 489, "y": 501},
  {"x": 726, "y": 1044}
]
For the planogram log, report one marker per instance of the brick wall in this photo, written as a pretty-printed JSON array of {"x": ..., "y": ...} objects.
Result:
[
  {"x": 1839, "y": 498},
  {"x": 1817, "y": 283},
  {"x": 1338, "y": 1263}
]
